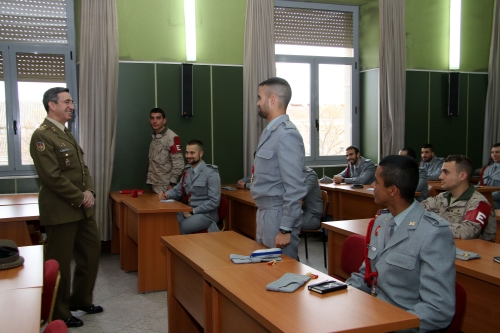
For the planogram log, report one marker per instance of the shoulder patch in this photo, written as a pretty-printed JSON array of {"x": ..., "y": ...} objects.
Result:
[
  {"x": 289, "y": 125},
  {"x": 436, "y": 220},
  {"x": 211, "y": 166},
  {"x": 40, "y": 146}
]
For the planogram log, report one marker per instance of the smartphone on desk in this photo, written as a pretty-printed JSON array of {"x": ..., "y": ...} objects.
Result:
[
  {"x": 496, "y": 259},
  {"x": 357, "y": 186}
]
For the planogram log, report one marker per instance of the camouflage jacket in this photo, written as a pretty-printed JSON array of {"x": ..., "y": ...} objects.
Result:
[
  {"x": 165, "y": 158},
  {"x": 470, "y": 216}
]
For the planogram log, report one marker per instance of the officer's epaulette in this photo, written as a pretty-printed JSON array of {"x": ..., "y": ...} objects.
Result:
[
  {"x": 439, "y": 158},
  {"x": 289, "y": 125},
  {"x": 368, "y": 159},
  {"x": 382, "y": 211},
  {"x": 211, "y": 166},
  {"x": 42, "y": 127},
  {"x": 436, "y": 220},
  {"x": 187, "y": 166}
]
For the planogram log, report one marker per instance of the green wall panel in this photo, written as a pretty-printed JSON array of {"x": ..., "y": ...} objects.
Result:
[
  {"x": 7, "y": 186},
  {"x": 228, "y": 122},
  {"x": 447, "y": 134},
  {"x": 28, "y": 185},
  {"x": 417, "y": 109},
  {"x": 478, "y": 84},
  {"x": 133, "y": 132},
  {"x": 369, "y": 35},
  {"x": 369, "y": 114}
]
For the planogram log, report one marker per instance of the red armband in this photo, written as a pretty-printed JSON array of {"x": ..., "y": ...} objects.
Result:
[
  {"x": 176, "y": 147},
  {"x": 480, "y": 214}
]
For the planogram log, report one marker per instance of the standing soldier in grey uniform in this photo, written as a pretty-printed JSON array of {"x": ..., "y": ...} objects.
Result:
[
  {"x": 423, "y": 184},
  {"x": 359, "y": 169},
  {"x": 491, "y": 175},
  {"x": 432, "y": 164},
  {"x": 66, "y": 204},
  {"x": 278, "y": 185},
  {"x": 199, "y": 188},
  {"x": 467, "y": 210},
  {"x": 165, "y": 154}
]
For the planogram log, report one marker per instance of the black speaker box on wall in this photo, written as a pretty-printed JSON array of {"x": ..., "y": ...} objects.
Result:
[
  {"x": 453, "y": 94},
  {"x": 187, "y": 90}
]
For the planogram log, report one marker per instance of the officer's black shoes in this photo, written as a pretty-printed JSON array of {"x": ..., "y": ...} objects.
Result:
[
  {"x": 73, "y": 322},
  {"x": 89, "y": 309}
]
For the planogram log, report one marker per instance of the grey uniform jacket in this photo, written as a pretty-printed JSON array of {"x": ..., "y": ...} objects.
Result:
[
  {"x": 416, "y": 270},
  {"x": 203, "y": 187},
  {"x": 313, "y": 203},
  {"x": 491, "y": 177},
  {"x": 364, "y": 173},
  {"x": 279, "y": 171},
  {"x": 423, "y": 185},
  {"x": 433, "y": 167}
]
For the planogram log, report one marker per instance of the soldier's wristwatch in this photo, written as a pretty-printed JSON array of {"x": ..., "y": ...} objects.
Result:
[{"x": 283, "y": 231}]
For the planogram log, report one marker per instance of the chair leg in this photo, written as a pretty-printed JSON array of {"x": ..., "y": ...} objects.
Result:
[
  {"x": 305, "y": 243},
  {"x": 324, "y": 245}
]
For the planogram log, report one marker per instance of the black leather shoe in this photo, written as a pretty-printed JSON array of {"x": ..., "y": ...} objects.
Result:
[
  {"x": 73, "y": 322},
  {"x": 89, "y": 309}
]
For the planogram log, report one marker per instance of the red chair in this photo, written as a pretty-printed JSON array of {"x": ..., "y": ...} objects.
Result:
[
  {"x": 57, "y": 326},
  {"x": 353, "y": 254},
  {"x": 222, "y": 212},
  {"x": 460, "y": 301},
  {"x": 51, "y": 279}
]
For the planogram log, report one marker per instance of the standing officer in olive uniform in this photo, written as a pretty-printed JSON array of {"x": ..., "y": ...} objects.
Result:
[{"x": 66, "y": 203}]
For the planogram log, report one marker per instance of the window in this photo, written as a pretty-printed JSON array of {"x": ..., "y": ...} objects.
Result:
[
  {"x": 317, "y": 53},
  {"x": 36, "y": 53}
]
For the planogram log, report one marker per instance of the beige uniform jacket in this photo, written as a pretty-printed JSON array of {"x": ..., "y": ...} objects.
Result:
[
  {"x": 63, "y": 175},
  {"x": 470, "y": 216},
  {"x": 165, "y": 158}
]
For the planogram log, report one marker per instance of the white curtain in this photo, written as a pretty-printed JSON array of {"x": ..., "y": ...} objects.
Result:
[
  {"x": 392, "y": 79},
  {"x": 492, "y": 116},
  {"x": 258, "y": 65},
  {"x": 98, "y": 88}
]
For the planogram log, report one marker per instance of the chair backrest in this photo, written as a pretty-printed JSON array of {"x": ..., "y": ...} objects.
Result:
[
  {"x": 223, "y": 208},
  {"x": 51, "y": 278},
  {"x": 431, "y": 190},
  {"x": 326, "y": 203},
  {"x": 57, "y": 326},
  {"x": 458, "y": 318},
  {"x": 353, "y": 253}
]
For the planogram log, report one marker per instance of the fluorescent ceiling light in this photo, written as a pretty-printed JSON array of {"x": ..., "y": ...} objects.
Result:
[
  {"x": 190, "y": 24},
  {"x": 455, "y": 23}
]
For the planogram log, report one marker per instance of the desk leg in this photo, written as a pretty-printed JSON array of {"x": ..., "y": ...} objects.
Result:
[
  {"x": 335, "y": 243},
  {"x": 16, "y": 231},
  {"x": 152, "y": 256},
  {"x": 116, "y": 219},
  {"x": 130, "y": 251},
  {"x": 179, "y": 319}
]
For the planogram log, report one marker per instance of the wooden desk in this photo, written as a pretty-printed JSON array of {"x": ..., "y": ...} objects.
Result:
[
  {"x": 242, "y": 212},
  {"x": 348, "y": 203},
  {"x": 146, "y": 220},
  {"x": 481, "y": 280},
  {"x": 484, "y": 190},
  {"x": 18, "y": 199},
  {"x": 21, "y": 293},
  {"x": 30, "y": 275},
  {"x": 241, "y": 303},
  {"x": 497, "y": 237},
  {"x": 13, "y": 222},
  {"x": 188, "y": 256}
]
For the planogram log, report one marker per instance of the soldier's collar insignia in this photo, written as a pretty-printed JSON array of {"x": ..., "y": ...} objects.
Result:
[
  {"x": 40, "y": 146},
  {"x": 53, "y": 129},
  {"x": 412, "y": 224}
]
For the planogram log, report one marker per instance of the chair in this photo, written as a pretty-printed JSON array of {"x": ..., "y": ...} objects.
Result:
[
  {"x": 353, "y": 254},
  {"x": 324, "y": 197},
  {"x": 431, "y": 190},
  {"x": 51, "y": 277},
  {"x": 460, "y": 301},
  {"x": 57, "y": 326},
  {"x": 222, "y": 212}
]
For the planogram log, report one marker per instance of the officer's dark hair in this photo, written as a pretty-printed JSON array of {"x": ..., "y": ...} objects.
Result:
[
  {"x": 280, "y": 87},
  {"x": 400, "y": 171},
  {"x": 429, "y": 146},
  {"x": 197, "y": 143},
  {"x": 158, "y": 110},
  {"x": 51, "y": 95},
  {"x": 462, "y": 163},
  {"x": 495, "y": 145},
  {"x": 356, "y": 149},
  {"x": 410, "y": 152}
]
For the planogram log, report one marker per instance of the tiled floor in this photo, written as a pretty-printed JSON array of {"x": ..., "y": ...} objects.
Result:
[{"x": 127, "y": 311}]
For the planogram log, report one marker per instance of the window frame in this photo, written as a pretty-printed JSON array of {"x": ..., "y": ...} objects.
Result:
[
  {"x": 15, "y": 169},
  {"x": 315, "y": 159}
]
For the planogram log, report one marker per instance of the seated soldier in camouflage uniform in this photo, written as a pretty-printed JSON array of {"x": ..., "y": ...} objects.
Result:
[{"x": 468, "y": 211}]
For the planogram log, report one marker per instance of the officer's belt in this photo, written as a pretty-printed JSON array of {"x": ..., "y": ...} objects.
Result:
[{"x": 269, "y": 202}]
